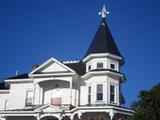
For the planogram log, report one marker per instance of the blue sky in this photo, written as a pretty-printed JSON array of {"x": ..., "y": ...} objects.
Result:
[{"x": 33, "y": 31}]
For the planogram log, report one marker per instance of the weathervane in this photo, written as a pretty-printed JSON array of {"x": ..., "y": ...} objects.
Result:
[{"x": 104, "y": 12}]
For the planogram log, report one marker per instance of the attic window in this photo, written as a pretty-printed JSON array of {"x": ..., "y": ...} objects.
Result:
[
  {"x": 112, "y": 66},
  {"x": 99, "y": 65},
  {"x": 89, "y": 67}
]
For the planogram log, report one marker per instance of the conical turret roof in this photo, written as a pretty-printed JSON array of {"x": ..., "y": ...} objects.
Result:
[{"x": 103, "y": 41}]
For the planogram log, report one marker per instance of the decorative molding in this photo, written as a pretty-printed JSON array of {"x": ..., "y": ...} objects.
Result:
[{"x": 72, "y": 61}]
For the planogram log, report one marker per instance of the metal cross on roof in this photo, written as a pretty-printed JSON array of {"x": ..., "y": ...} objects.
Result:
[{"x": 104, "y": 12}]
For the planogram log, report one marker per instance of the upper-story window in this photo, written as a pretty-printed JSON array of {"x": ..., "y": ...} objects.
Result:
[
  {"x": 99, "y": 65},
  {"x": 29, "y": 98},
  {"x": 89, "y": 67},
  {"x": 112, "y": 93},
  {"x": 112, "y": 66},
  {"x": 99, "y": 91},
  {"x": 89, "y": 94}
]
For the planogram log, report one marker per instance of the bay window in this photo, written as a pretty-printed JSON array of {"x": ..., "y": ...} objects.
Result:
[
  {"x": 99, "y": 91},
  {"x": 89, "y": 95},
  {"x": 112, "y": 93}
]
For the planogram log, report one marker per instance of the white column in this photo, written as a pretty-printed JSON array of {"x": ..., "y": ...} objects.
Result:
[
  {"x": 79, "y": 115},
  {"x": 111, "y": 114},
  {"x": 60, "y": 116},
  {"x": 38, "y": 116},
  {"x": 2, "y": 118},
  {"x": 41, "y": 95},
  {"x": 34, "y": 93},
  {"x": 71, "y": 117},
  {"x": 71, "y": 92}
]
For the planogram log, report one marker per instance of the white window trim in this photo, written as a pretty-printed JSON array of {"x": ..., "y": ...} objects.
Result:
[
  {"x": 99, "y": 62},
  {"x": 28, "y": 90},
  {"x": 87, "y": 66},
  {"x": 102, "y": 92},
  {"x": 90, "y": 67},
  {"x": 115, "y": 93},
  {"x": 90, "y": 93},
  {"x": 114, "y": 63},
  {"x": 6, "y": 104}
]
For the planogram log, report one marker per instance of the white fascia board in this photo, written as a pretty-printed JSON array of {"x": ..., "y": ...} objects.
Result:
[
  {"x": 16, "y": 112},
  {"x": 19, "y": 80},
  {"x": 4, "y": 91},
  {"x": 98, "y": 55},
  {"x": 38, "y": 80},
  {"x": 48, "y": 105},
  {"x": 47, "y": 62},
  {"x": 123, "y": 109},
  {"x": 93, "y": 73},
  {"x": 103, "y": 108},
  {"x": 52, "y": 74}
]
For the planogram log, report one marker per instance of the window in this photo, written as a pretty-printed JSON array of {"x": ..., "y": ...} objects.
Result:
[
  {"x": 6, "y": 105},
  {"x": 99, "y": 65},
  {"x": 29, "y": 97},
  {"x": 99, "y": 92},
  {"x": 89, "y": 67},
  {"x": 112, "y": 66},
  {"x": 112, "y": 93},
  {"x": 89, "y": 94}
]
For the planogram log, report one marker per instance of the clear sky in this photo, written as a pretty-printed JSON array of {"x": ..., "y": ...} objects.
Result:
[{"x": 33, "y": 31}]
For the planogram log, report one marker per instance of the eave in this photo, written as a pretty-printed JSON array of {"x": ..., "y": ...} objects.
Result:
[{"x": 105, "y": 72}]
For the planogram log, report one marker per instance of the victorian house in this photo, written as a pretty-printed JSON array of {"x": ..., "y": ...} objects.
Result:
[{"x": 87, "y": 89}]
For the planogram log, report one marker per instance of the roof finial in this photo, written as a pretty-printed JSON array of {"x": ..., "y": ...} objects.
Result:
[{"x": 104, "y": 12}]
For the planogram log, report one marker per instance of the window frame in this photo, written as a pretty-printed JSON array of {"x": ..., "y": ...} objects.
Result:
[
  {"x": 89, "y": 67},
  {"x": 113, "y": 65},
  {"x": 101, "y": 65},
  {"x": 112, "y": 93},
  {"x": 27, "y": 97},
  {"x": 99, "y": 94},
  {"x": 6, "y": 103},
  {"x": 89, "y": 95}
]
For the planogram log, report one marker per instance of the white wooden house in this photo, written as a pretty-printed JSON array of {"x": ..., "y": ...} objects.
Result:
[{"x": 88, "y": 89}]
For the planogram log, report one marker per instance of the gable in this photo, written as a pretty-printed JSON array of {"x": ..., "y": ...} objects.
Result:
[
  {"x": 49, "y": 108},
  {"x": 52, "y": 66}
]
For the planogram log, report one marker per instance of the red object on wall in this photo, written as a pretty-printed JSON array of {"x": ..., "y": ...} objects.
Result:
[{"x": 56, "y": 101}]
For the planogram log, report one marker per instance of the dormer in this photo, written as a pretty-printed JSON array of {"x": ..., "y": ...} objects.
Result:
[{"x": 103, "y": 53}]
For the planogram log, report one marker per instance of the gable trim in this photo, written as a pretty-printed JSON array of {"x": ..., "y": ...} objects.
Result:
[
  {"x": 47, "y": 105},
  {"x": 47, "y": 62}
]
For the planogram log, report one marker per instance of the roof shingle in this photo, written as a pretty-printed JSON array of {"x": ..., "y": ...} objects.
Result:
[{"x": 103, "y": 41}]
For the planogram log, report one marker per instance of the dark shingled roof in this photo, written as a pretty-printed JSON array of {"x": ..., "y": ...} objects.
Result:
[
  {"x": 4, "y": 86},
  {"x": 21, "y": 76},
  {"x": 103, "y": 41},
  {"x": 79, "y": 67}
]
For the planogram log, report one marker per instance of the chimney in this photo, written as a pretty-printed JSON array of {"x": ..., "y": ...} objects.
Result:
[{"x": 34, "y": 66}]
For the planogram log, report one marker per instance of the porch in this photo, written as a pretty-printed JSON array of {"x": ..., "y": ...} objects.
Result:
[{"x": 50, "y": 112}]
